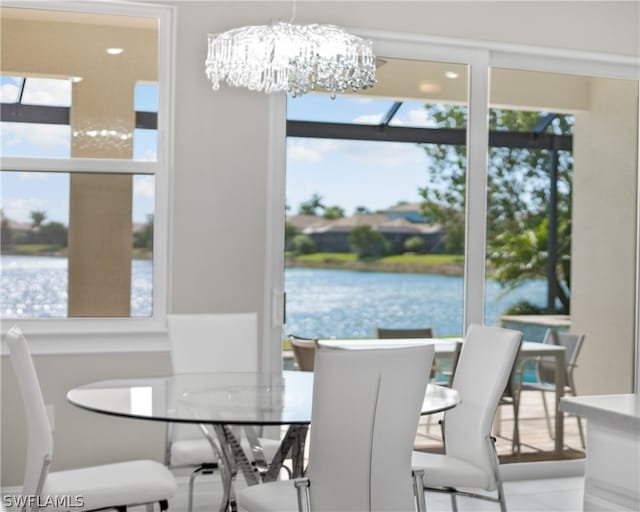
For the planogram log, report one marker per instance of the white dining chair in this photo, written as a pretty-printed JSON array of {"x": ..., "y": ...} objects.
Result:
[
  {"x": 470, "y": 459},
  {"x": 97, "y": 487},
  {"x": 204, "y": 343},
  {"x": 366, "y": 405}
]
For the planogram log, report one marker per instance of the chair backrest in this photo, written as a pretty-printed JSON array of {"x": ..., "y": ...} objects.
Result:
[
  {"x": 39, "y": 436},
  {"x": 304, "y": 351},
  {"x": 366, "y": 406},
  {"x": 572, "y": 343},
  {"x": 213, "y": 342},
  {"x": 383, "y": 333},
  {"x": 202, "y": 343},
  {"x": 485, "y": 363}
]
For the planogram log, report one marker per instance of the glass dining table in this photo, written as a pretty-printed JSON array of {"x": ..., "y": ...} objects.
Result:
[{"x": 231, "y": 404}]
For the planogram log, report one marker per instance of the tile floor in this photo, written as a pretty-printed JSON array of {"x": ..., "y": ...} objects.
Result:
[{"x": 548, "y": 495}]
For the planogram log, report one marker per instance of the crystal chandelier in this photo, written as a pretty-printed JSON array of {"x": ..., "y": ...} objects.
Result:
[{"x": 293, "y": 58}]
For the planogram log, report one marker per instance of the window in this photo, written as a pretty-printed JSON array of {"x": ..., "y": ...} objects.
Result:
[
  {"x": 360, "y": 198},
  {"x": 83, "y": 167}
]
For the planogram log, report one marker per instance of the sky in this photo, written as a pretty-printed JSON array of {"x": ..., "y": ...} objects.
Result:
[{"x": 348, "y": 174}]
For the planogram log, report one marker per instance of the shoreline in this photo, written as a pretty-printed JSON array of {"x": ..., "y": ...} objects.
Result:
[{"x": 451, "y": 269}]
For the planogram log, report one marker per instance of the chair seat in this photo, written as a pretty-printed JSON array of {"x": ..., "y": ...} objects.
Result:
[
  {"x": 193, "y": 452},
  {"x": 541, "y": 386},
  {"x": 124, "y": 483},
  {"x": 449, "y": 471},
  {"x": 280, "y": 496}
]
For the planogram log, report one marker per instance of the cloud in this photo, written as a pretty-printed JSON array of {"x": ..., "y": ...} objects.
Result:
[
  {"x": 20, "y": 209},
  {"x": 416, "y": 117},
  {"x": 47, "y": 91},
  {"x": 309, "y": 150},
  {"x": 30, "y": 176},
  {"x": 9, "y": 93},
  {"x": 39, "y": 135},
  {"x": 387, "y": 154},
  {"x": 143, "y": 186},
  {"x": 369, "y": 118}
]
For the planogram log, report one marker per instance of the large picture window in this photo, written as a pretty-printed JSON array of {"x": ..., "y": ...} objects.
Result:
[{"x": 82, "y": 169}]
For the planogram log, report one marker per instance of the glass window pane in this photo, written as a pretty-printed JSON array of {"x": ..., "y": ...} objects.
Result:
[
  {"x": 395, "y": 209},
  {"x": 98, "y": 88},
  {"x": 35, "y": 223}
]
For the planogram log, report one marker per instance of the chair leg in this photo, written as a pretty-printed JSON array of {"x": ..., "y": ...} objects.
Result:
[
  {"x": 501, "y": 499},
  {"x": 454, "y": 502},
  {"x": 202, "y": 469},
  {"x": 546, "y": 414},
  {"x": 581, "y": 431}
]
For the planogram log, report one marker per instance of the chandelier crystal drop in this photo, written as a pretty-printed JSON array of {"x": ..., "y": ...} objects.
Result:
[{"x": 293, "y": 58}]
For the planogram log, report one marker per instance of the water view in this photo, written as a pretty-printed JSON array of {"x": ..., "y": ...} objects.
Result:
[
  {"x": 320, "y": 302},
  {"x": 349, "y": 304},
  {"x": 36, "y": 287}
]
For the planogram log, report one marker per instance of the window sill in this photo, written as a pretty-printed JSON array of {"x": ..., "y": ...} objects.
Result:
[{"x": 90, "y": 335}]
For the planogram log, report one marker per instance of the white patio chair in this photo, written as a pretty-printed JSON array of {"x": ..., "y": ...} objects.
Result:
[
  {"x": 366, "y": 404},
  {"x": 470, "y": 459},
  {"x": 203, "y": 343},
  {"x": 546, "y": 373},
  {"x": 97, "y": 487}
]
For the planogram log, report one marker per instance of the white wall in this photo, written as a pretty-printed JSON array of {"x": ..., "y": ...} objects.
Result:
[
  {"x": 219, "y": 187},
  {"x": 604, "y": 237}
]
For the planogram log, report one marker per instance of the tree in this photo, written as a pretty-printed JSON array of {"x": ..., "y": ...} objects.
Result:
[
  {"x": 367, "y": 244},
  {"x": 361, "y": 210},
  {"x": 37, "y": 218},
  {"x": 53, "y": 233},
  {"x": 333, "y": 212},
  {"x": 303, "y": 244},
  {"x": 414, "y": 244},
  {"x": 311, "y": 206},
  {"x": 517, "y": 198},
  {"x": 290, "y": 232},
  {"x": 143, "y": 239},
  {"x": 6, "y": 233}
]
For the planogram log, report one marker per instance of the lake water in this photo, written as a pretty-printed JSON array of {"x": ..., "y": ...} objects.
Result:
[
  {"x": 349, "y": 304},
  {"x": 320, "y": 303},
  {"x": 36, "y": 287}
]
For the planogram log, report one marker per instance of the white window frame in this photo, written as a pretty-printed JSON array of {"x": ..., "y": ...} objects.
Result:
[
  {"x": 52, "y": 335},
  {"x": 481, "y": 56}
]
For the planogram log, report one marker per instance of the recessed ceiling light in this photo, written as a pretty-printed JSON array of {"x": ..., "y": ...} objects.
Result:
[
  {"x": 114, "y": 51},
  {"x": 427, "y": 86},
  {"x": 451, "y": 75},
  {"x": 76, "y": 79}
]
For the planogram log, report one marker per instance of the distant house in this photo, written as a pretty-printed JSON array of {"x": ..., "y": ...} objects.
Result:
[
  {"x": 409, "y": 211},
  {"x": 333, "y": 235}
]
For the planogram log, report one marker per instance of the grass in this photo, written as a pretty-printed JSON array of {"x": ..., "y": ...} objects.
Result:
[
  {"x": 424, "y": 259},
  {"x": 327, "y": 257},
  {"x": 446, "y": 264},
  {"x": 34, "y": 249}
]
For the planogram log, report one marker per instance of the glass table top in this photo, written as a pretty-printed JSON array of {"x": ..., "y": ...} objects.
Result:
[{"x": 220, "y": 398}]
